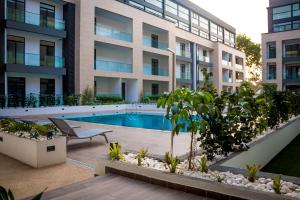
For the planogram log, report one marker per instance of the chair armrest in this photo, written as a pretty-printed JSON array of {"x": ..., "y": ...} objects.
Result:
[{"x": 74, "y": 126}]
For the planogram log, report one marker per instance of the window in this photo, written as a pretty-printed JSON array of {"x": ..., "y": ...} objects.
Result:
[
  {"x": 282, "y": 12},
  {"x": 157, "y": 3},
  {"x": 182, "y": 68},
  {"x": 204, "y": 53},
  {"x": 296, "y": 25},
  {"x": 182, "y": 49},
  {"x": 271, "y": 50},
  {"x": 296, "y": 9},
  {"x": 154, "y": 67},
  {"x": 172, "y": 19},
  {"x": 292, "y": 49},
  {"x": 16, "y": 87},
  {"x": 154, "y": 41},
  {"x": 15, "y": 50},
  {"x": 220, "y": 34},
  {"x": 204, "y": 35},
  {"x": 195, "y": 30},
  {"x": 282, "y": 27},
  {"x": 204, "y": 23},
  {"x": 183, "y": 26},
  {"x": 47, "y": 15},
  {"x": 213, "y": 38},
  {"x": 47, "y": 53},
  {"x": 183, "y": 13},
  {"x": 271, "y": 72},
  {"x": 171, "y": 7},
  {"x": 213, "y": 29},
  {"x": 232, "y": 38},
  {"x": 149, "y": 10},
  {"x": 47, "y": 86},
  {"x": 16, "y": 10},
  {"x": 195, "y": 18},
  {"x": 134, "y": 4},
  {"x": 155, "y": 89}
]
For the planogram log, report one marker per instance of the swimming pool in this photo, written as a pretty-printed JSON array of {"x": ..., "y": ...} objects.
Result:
[{"x": 138, "y": 120}]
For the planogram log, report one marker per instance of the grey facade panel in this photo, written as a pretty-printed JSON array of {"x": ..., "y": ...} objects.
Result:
[
  {"x": 275, "y": 3},
  {"x": 34, "y": 29},
  {"x": 35, "y": 70}
]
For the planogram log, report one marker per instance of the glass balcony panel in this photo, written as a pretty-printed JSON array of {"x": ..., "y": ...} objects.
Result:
[
  {"x": 109, "y": 32},
  {"x": 183, "y": 75},
  {"x": 161, "y": 71},
  {"x": 35, "y": 19},
  {"x": 113, "y": 66},
  {"x": 148, "y": 42}
]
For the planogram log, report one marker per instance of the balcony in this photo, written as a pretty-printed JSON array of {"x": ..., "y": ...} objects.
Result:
[
  {"x": 113, "y": 66},
  {"x": 150, "y": 71},
  {"x": 36, "y": 60},
  {"x": 147, "y": 41},
  {"x": 109, "y": 32},
  {"x": 35, "y": 19},
  {"x": 186, "y": 54},
  {"x": 184, "y": 76}
]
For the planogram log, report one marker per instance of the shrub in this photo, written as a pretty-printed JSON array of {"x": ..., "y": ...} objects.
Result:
[
  {"x": 71, "y": 100},
  {"x": 87, "y": 97},
  {"x": 141, "y": 155},
  {"x": 252, "y": 170},
  {"x": 277, "y": 184},
  {"x": 31, "y": 101},
  {"x": 203, "y": 164},
  {"x": 107, "y": 99},
  {"x": 115, "y": 152},
  {"x": 174, "y": 161},
  {"x": 9, "y": 195},
  {"x": 168, "y": 158}
]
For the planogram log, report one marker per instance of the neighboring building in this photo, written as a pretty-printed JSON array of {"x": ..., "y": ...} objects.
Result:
[
  {"x": 116, "y": 47},
  {"x": 281, "y": 45}
]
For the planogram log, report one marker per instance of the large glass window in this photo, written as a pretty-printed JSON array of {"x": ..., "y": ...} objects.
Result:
[
  {"x": 183, "y": 12},
  {"x": 195, "y": 18},
  {"x": 154, "y": 67},
  {"x": 271, "y": 71},
  {"x": 213, "y": 29},
  {"x": 296, "y": 24},
  {"x": 183, "y": 26},
  {"x": 282, "y": 12},
  {"x": 47, "y": 15},
  {"x": 47, "y": 53},
  {"x": 292, "y": 49},
  {"x": 16, "y": 10},
  {"x": 15, "y": 50},
  {"x": 149, "y": 10},
  {"x": 157, "y": 3},
  {"x": 171, "y": 7},
  {"x": 195, "y": 30},
  {"x": 47, "y": 86},
  {"x": 203, "y": 23},
  {"x": 204, "y": 35},
  {"x": 282, "y": 27},
  {"x": 296, "y": 9},
  {"x": 271, "y": 50},
  {"x": 220, "y": 34}
]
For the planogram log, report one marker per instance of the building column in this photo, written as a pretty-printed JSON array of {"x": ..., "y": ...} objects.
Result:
[{"x": 194, "y": 66}]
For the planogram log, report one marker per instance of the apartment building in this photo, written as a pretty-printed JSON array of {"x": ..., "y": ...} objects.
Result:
[
  {"x": 281, "y": 45},
  {"x": 115, "y": 47}
]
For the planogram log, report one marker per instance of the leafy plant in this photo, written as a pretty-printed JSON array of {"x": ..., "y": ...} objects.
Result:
[
  {"x": 174, "y": 161},
  {"x": 115, "y": 152},
  {"x": 252, "y": 170},
  {"x": 9, "y": 195},
  {"x": 168, "y": 158},
  {"x": 277, "y": 184},
  {"x": 87, "y": 97},
  {"x": 219, "y": 178},
  {"x": 31, "y": 101},
  {"x": 203, "y": 164},
  {"x": 141, "y": 155}
]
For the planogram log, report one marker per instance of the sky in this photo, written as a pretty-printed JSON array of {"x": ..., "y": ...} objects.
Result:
[{"x": 247, "y": 16}]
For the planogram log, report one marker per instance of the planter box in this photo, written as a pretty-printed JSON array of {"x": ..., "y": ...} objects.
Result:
[
  {"x": 34, "y": 153},
  {"x": 205, "y": 188}
]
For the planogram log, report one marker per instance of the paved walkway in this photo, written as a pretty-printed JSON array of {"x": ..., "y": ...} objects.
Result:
[{"x": 113, "y": 187}]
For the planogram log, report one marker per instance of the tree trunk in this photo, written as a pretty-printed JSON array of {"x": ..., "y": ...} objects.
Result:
[{"x": 191, "y": 151}]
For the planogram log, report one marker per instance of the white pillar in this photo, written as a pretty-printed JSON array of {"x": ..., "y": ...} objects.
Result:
[{"x": 194, "y": 66}]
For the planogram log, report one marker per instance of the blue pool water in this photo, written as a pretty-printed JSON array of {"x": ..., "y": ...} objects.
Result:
[{"x": 139, "y": 120}]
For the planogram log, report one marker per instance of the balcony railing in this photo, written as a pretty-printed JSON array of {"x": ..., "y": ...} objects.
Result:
[
  {"x": 292, "y": 77},
  {"x": 109, "y": 32},
  {"x": 183, "y": 75},
  {"x": 272, "y": 76},
  {"x": 35, "y": 19},
  {"x": 226, "y": 63},
  {"x": 186, "y": 54},
  {"x": 36, "y": 60},
  {"x": 239, "y": 66},
  {"x": 148, "y": 70},
  {"x": 204, "y": 59},
  {"x": 113, "y": 66},
  {"x": 159, "y": 45},
  {"x": 227, "y": 79}
]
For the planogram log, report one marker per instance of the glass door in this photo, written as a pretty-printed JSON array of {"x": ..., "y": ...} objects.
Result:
[
  {"x": 16, "y": 10},
  {"x": 15, "y": 50},
  {"x": 47, "y": 53},
  {"x": 47, "y": 15}
]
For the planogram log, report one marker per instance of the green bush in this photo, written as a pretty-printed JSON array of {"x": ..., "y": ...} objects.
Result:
[
  {"x": 108, "y": 99},
  {"x": 171, "y": 162},
  {"x": 87, "y": 97},
  {"x": 252, "y": 170},
  {"x": 71, "y": 100},
  {"x": 203, "y": 164},
  {"x": 277, "y": 184},
  {"x": 115, "y": 152}
]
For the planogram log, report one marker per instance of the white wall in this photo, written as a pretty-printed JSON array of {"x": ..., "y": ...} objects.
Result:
[
  {"x": 116, "y": 22},
  {"x": 32, "y": 82},
  {"x": 32, "y": 41},
  {"x": 162, "y": 34},
  {"x": 33, "y": 6},
  {"x": 108, "y": 85}
]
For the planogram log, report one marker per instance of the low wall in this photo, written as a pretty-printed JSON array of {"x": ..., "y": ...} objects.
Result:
[
  {"x": 10, "y": 112},
  {"x": 264, "y": 150}
]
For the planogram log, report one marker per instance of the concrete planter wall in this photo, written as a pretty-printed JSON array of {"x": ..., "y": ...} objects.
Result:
[
  {"x": 264, "y": 150},
  {"x": 34, "y": 153}
]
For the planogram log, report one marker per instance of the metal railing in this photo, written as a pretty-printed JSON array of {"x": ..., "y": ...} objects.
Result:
[{"x": 155, "y": 44}]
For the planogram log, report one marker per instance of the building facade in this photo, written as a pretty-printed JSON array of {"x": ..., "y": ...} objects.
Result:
[
  {"x": 281, "y": 45},
  {"x": 114, "y": 47}
]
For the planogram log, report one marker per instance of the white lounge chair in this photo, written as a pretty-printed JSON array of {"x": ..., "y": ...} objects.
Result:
[{"x": 70, "y": 132}]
